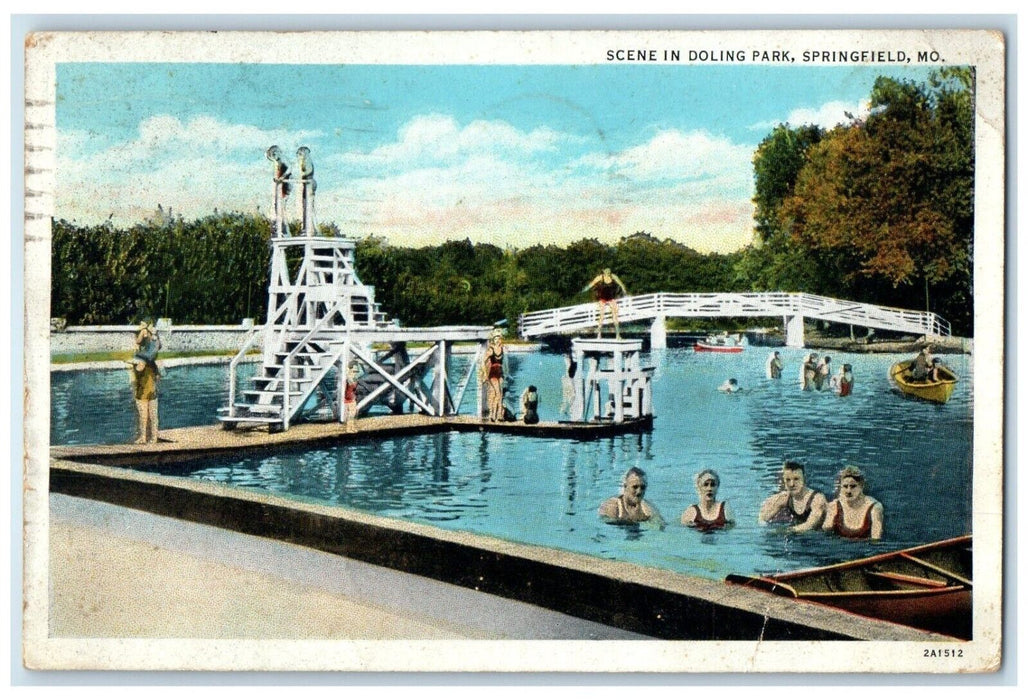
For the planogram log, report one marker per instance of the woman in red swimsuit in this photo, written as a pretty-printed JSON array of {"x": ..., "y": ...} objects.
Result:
[
  {"x": 853, "y": 514},
  {"x": 708, "y": 514}
]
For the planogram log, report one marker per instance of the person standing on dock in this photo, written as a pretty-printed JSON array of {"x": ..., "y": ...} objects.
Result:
[
  {"x": 605, "y": 287},
  {"x": 350, "y": 398},
  {"x": 493, "y": 373},
  {"x": 708, "y": 514},
  {"x": 144, "y": 376},
  {"x": 796, "y": 505},
  {"x": 630, "y": 506},
  {"x": 853, "y": 514}
]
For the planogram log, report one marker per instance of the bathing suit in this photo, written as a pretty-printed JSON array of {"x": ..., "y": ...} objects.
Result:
[
  {"x": 606, "y": 291},
  {"x": 861, "y": 533},
  {"x": 496, "y": 366},
  {"x": 845, "y": 387},
  {"x": 623, "y": 511},
  {"x": 704, "y": 525},
  {"x": 787, "y": 515},
  {"x": 531, "y": 408},
  {"x": 146, "y": 382}
]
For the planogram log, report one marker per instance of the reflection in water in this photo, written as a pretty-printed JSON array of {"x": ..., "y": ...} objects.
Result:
[{"x": 917, "y": 458}]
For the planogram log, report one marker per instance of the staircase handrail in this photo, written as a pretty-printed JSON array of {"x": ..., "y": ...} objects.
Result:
[
  {"x": 247, "y": 344},
  {"x": 318, "y": 326}
]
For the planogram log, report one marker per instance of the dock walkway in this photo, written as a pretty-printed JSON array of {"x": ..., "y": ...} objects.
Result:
[{"x": 186, "y": 443}]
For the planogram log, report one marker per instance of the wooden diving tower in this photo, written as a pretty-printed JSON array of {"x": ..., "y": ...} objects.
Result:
[{"x": 323, "y": 322}]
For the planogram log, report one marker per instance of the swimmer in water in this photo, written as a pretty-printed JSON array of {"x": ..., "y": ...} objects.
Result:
[{"x": 630, "y": 506}]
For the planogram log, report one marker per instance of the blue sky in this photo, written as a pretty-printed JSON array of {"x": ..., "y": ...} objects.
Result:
[{"x": 514, "y": 155}]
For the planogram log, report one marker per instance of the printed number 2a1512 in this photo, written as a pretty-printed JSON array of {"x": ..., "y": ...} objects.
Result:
[{"x": 943, "y": 653}]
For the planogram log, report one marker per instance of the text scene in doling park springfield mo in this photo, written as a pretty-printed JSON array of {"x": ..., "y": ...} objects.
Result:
[{"x": 713, "y": 312}]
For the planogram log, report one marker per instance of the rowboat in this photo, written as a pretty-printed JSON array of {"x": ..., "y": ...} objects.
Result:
[
  {"x": 936, "y": 391},
  {"x": 927, "y": 587},
  {"x": 704, "y": 347}
]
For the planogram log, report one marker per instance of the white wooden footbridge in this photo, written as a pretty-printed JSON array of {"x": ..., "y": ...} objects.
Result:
[{"x": 792, "y": 309}]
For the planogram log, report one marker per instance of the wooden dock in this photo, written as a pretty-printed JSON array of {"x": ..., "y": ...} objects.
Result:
[{"x": 187, "y": 443}]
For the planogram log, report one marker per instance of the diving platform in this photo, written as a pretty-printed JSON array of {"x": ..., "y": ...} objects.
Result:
[{"x": 325, "y": 337}]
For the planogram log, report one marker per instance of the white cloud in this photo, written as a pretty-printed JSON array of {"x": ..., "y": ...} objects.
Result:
[
  {"x": 827, "y": 116},
  {"x": 436, "y": 138},
  {"x": 485, "y": 180}
]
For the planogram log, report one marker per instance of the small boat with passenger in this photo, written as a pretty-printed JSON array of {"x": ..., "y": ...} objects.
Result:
[
  {"x": 937, "y": 391},
  {"x": 927, "y": 587},
  {"x": 719, "y": 343}
]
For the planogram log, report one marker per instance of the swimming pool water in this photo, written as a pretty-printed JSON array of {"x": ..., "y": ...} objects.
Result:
[{"x": 917, "y": 458}]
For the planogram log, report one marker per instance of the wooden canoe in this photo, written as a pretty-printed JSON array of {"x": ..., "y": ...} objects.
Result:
[
  {"x": 927, "y": 587},
  {"x": 936, "y": 392}
]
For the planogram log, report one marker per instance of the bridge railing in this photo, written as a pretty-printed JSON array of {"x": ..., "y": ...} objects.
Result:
[{"x": 755, "y": 304}]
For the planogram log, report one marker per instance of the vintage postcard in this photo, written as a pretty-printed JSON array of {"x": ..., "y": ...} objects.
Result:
[{"x": 659, "y": 351}]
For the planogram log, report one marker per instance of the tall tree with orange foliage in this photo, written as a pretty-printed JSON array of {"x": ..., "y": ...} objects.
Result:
[{"x": 889, "y": 201}]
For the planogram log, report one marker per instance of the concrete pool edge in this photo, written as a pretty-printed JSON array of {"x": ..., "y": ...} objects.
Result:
[{"x": 639, "y": 599}]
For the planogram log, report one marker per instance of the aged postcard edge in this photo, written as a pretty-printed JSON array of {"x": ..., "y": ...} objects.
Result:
[{"x": 983, "y": 49}]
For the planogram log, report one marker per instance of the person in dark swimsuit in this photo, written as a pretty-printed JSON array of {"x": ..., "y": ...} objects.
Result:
[
  {"x": 798, "y": 507},
  {"x": 629, "y": 506},
  {"x": 605, "y": 287},
  {"x": 493, "y": 373},
  {"x": 530, "y": 405},
  {"x": 853, "y": 514},
  {"x": 709, "y": 514}
]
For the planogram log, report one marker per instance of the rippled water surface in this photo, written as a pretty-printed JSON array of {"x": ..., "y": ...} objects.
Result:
[{"x": 917, "y": 457}]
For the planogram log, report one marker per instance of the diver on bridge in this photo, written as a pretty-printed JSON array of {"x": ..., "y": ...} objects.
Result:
[{"x": 605, "y": 287}]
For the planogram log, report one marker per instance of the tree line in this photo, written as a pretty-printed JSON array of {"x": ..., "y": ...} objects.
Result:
[{"x": 879, "y": 210}]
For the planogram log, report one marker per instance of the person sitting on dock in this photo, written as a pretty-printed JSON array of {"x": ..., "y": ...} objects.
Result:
[
  {"x": 842, "y": 383},
  {"x": 567, "y": 388},
  {"x": 730, "y": 387},
  {"x": 494, "y": 369},
  {"x": 796, "y": 505},
  {"x": 530, "y": 405},
  {"x": 630, "y": 506},
  {"x": 708, "y": 514},
  {"x": 773, "y": 367},
  {"x": 605, "y": 287},
  {"x": 853, "y": 514}
]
